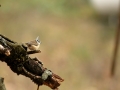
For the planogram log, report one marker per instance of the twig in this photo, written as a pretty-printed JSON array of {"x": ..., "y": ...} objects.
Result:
[
  {"x": 33, "y": 52},
  {"x": 2, "y": 86}
]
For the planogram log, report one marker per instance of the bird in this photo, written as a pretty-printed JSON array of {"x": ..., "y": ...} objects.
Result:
[{"x": 34, "y": 45}]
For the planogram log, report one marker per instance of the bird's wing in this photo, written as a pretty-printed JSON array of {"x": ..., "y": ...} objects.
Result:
[{"x": 31, "y": 43}]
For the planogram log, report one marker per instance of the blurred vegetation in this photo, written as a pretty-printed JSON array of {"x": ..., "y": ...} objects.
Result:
[
  {"x": 75, "y": 44},
  {"x": 62, "y": 7}
]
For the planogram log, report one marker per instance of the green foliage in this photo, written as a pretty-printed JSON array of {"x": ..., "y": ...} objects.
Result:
[{"x": 61, "y": 7}]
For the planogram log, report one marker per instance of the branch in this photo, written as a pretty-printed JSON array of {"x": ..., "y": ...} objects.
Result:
[
  {"x": 17, "y": 58},
  {"x": 2, "y": 86},
  {"x": 116, "y": 47},
  {"x": 33, "y": 52},
  {"x": 4, "y": 51}
]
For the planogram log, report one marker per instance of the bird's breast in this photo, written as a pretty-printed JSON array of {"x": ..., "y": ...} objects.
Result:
[{"x": 33, "y": 47}]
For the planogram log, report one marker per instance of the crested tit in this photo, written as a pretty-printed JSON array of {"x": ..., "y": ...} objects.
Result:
[{"x": 34, "y": 45}]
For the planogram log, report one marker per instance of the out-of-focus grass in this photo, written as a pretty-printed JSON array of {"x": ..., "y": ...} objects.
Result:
[{"x": 74, "y": 46}]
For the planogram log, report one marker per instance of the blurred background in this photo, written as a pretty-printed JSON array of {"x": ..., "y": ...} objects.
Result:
[{"x": 77, "y": 40}]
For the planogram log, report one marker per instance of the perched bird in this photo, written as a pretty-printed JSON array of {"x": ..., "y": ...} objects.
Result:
[{"x": 34, "y": 45}]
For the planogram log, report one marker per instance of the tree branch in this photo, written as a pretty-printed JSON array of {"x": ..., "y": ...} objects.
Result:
[
  {"x": 116, "y": 47},
  {"x": 17, "y": 58}
]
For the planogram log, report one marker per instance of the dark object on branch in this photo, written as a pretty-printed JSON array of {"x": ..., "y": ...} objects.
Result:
[
  {"x": 2, "y": 86},
  {"x": 19, "y": 61}
]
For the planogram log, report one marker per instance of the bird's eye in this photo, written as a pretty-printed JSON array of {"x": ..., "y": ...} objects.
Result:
[{"x": 38, "y": 41}]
